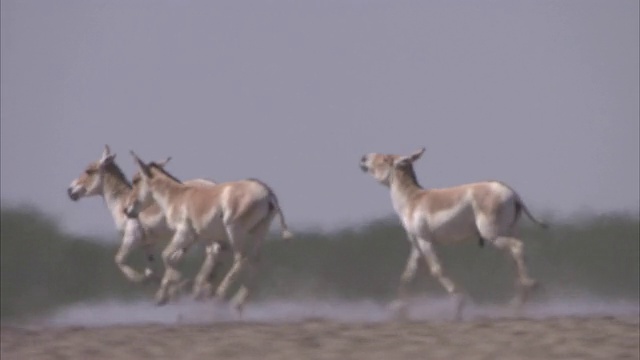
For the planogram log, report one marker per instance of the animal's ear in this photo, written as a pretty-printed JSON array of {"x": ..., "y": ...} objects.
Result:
[
  {"x": 106, "y": 152},
  {"x": 409, "y": 159},
  {"x": 107, "y": 160},
  {"x": 144, "y": 169},
  {"x": 163, "y": 163},
  {"x": 107, "y": 157},
  {"x": 402, "y": 160},
  {"x": 416, "y": 155}
]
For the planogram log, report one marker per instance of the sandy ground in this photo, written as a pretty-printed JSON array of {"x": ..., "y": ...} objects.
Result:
[
  {"x": 550, "y": 338},
  {"x": 564, "y": 328}
]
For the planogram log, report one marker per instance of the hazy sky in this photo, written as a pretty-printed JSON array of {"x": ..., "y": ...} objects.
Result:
[{"x": 543, "y": 95}]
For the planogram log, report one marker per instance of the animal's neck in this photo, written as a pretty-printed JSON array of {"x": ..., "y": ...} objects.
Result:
[
  {"x": 404, "y": 185},
  {"x": 163, "y": 189},
  {"x": 114, "y": 192}
]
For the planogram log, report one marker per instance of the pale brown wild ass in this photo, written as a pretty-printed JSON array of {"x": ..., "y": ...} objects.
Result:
[
  {"x": 202, "y": 284},
  {"x": 489, "y": 210},
  {"x": 104, "y": 178},
  {"x": 240, "y": 210}
]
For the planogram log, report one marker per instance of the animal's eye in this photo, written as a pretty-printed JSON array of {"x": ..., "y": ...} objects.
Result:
[{"x": 90, "y": 171}]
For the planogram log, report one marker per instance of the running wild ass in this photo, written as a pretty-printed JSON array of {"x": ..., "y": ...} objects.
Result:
[
  {"x": 239, "y": 211},
  {"x": 488, "y": 210},
  {"x": 202, "y": 285},
  {"x": 104, "y": 178}
]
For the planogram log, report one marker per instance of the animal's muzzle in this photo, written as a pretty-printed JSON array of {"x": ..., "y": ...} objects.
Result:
[
  {"x": 363, "y": 163},
  {"x": 72, "y": 195}
]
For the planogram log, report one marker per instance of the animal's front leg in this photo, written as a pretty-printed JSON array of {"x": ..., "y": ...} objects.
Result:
[
  {"x": 436, "y": 270},
  {"x": 148, "y": 245},
  {"x": 178, "y": 254},
  {"x": 150, "y": 271},
  {"x": 131, "y": 239},
  {"x": 172, "y": 275},
  {"x": 409, "y": 273}
]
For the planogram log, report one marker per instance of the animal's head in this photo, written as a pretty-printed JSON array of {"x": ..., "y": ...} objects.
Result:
[
  {"x": 383, "y": 166},
  {"x": 140, "y": 196},
  {"x": 90, "y": 182}
]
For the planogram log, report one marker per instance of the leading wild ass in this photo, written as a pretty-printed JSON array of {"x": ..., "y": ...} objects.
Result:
[
  {"x": 489, "y": 210},
  {"x": 240, "y": 211},
  {"x": 105, "y": 178}
]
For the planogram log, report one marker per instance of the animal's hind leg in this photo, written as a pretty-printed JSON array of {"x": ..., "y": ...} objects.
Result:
[
  {"x": 237, "y": 238},
  {"x": 524, "y": 281},
  {"x": 239, "y": 264},
  {"x": 481, "y": 241},
  {"x": 240, "y": 229},
  {"x": 255, "y": 239},
  {"x": 240, "y": 297},
  {"x": 436, "y": 271},
  {"x": 202, "y": 286}
]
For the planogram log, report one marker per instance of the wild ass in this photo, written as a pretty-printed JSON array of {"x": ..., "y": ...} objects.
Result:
[
  {"x": 104, "y": 178},
  {"x": 489, "y": 210},
  {"x": 202, "y": 287},
  {"x": 241, "y": 211}
]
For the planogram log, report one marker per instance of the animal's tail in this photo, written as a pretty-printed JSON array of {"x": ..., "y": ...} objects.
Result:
[
  {"x": 286, "y": 233},
  {"x": 273, "y": 201},
  {"x": 520, "y": 206}
]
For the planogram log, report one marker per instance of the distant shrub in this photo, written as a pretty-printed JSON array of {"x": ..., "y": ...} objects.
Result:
[{"x": 43, "y": 268}]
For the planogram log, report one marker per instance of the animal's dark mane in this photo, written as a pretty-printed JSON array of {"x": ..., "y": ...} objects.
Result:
[
  {"x": 408, "y": 169},
  {"x": 165, "y": 172},
  {"x": 115, "y": 170}
]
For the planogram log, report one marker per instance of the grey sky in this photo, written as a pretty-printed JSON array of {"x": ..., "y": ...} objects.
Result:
[{"x": 541, "y": 94}]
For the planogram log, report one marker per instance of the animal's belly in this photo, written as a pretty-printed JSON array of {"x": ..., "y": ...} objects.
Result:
[
  {"x": 454, "y": 235},
  {"x": 213, "y": 230},
  {"x": 451, "y": 227},
  {"x": 160, "y": 235}
]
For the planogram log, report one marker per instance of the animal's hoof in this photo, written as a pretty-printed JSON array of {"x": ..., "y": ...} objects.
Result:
[
  {"x": 529, "y": 284},
  {"x": 207, "y": 291},
  {"x": 399, "y": 309},
  {"x": 177, "y": 290},
  {"x": 218, "y": 302},
  {"x": 150, "y": 277},
  {"x": 160, "y": 301},
  {"x": 397, "y": 305},
  {"x": 239, "y": 309},
  {"x": 201, "y": 293},
  {"x": 460, "y": 301},
  {"x": 516, "y": 306},
  {"x": 220, "y": 293},
  {"x": 183, "y": 285}
]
